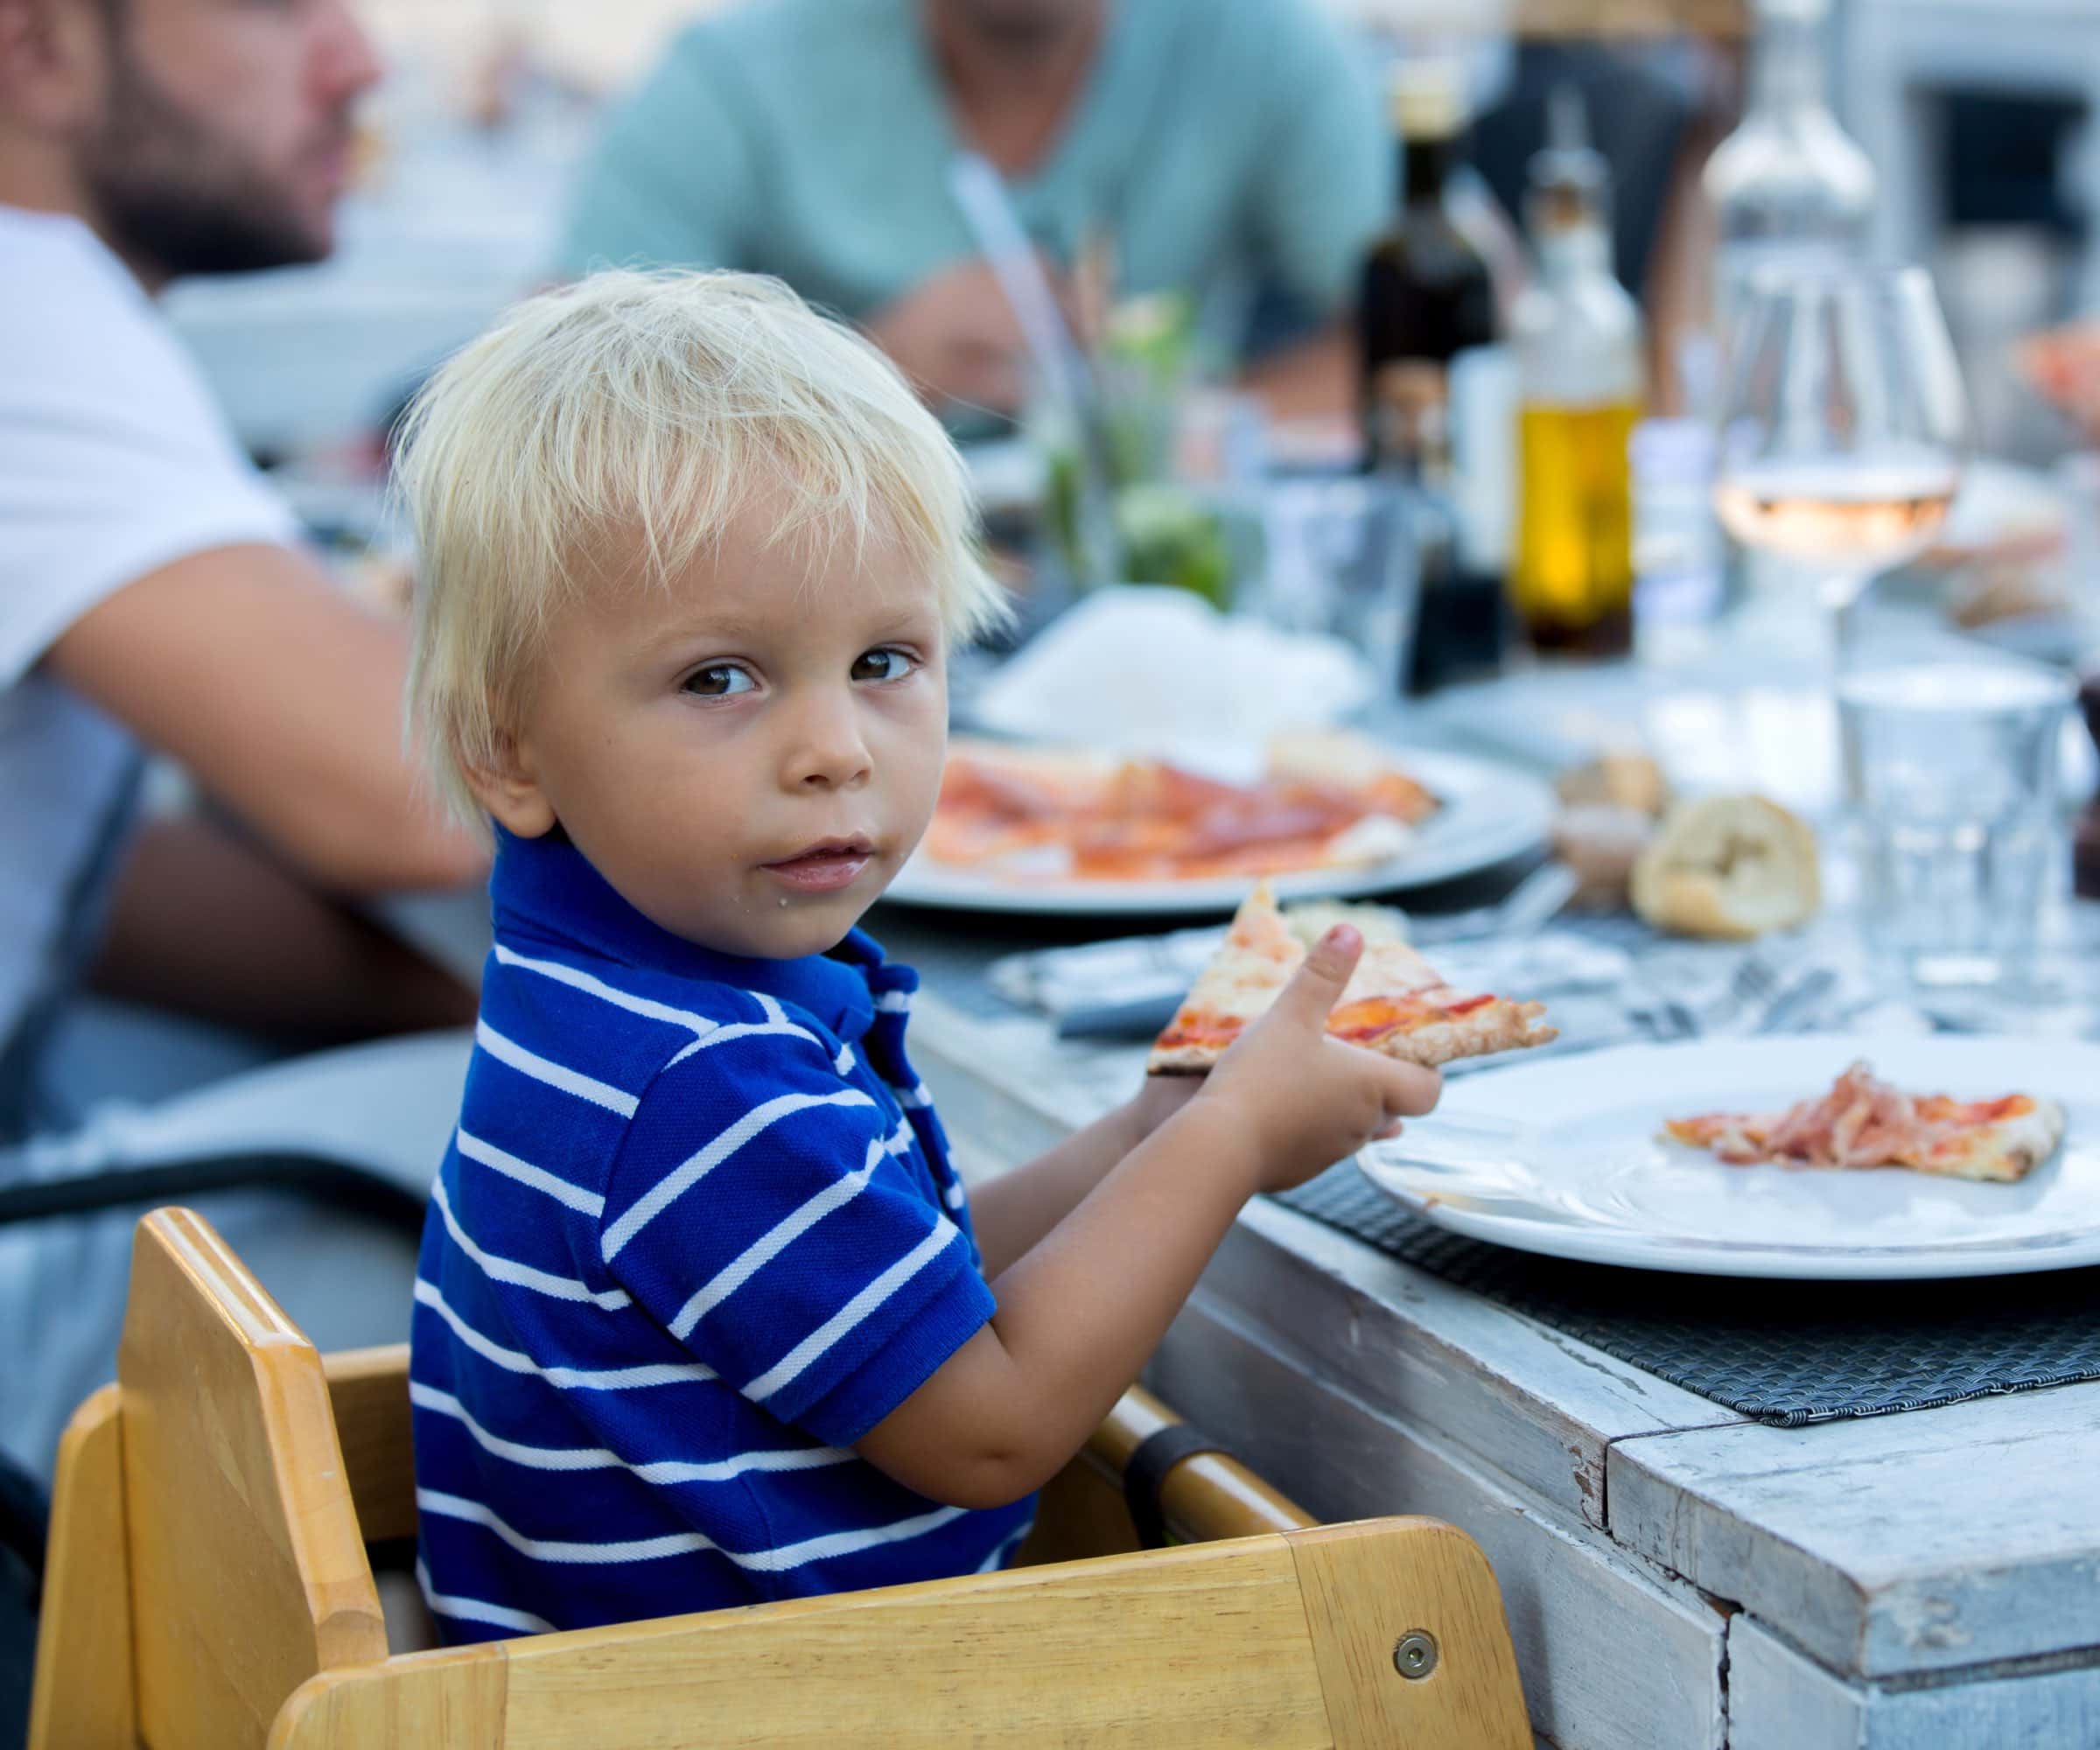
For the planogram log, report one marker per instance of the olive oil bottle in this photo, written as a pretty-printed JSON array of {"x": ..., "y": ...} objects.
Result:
[{"x": 1578, "y": 351}]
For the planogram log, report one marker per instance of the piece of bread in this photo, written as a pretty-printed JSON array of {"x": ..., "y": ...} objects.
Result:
[{"x": 1733, "y": 867}]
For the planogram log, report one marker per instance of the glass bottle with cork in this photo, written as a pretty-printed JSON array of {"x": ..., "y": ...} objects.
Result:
[
  {"x": 1790, "y": 193},
  {"x": 1579, "y": 354},
  {"x": 1426, "y": 309},
  {"x": 1788, "y": 188}
]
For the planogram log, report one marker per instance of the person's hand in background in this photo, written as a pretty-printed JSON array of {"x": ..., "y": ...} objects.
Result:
[
  {"x": 957, "y": 338},
  {"x": 2064, "y": 365}
]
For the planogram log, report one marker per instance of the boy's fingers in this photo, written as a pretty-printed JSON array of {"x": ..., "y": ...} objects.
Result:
[
  {"x": 1411, "y": 1090},
  {"x": 1316, "y": 985}
]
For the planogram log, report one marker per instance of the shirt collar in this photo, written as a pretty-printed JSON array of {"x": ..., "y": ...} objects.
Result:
[{"x": 548, "y": 887}]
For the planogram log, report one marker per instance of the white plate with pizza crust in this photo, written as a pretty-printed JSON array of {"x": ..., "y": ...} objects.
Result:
[
  {"x": 1564, "y": 1156},
  {"x": 1491, "y": 812}
]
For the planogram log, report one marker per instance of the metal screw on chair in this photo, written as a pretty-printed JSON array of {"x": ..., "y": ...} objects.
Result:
[{"x": 1414, "y": 1655}]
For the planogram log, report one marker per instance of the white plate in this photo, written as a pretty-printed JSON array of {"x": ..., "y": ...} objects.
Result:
[
  {"x": 1491, "y": 812},
  {"x": 1561, "y": 1155}
]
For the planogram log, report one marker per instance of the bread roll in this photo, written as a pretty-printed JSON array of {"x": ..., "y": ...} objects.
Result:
[{"x": 1728, "y": 867}]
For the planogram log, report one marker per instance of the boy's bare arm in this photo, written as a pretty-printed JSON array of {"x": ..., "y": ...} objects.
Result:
[
  {"x": 1014, "y": 1211},
  {"x": 1080, "y": 1313}
]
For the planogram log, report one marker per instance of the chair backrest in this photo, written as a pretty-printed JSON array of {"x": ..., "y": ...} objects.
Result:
[{"x": 247, "y": 1572}]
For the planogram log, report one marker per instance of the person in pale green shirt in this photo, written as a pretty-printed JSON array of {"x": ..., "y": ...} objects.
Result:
[{"x": 1231, "y": 150}]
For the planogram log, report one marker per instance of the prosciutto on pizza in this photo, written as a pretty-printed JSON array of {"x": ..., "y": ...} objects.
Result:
[{"x": 1862, "y": 1122}]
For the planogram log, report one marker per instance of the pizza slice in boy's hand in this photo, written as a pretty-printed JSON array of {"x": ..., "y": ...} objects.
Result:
[{"x": 1396, "y": 1002}]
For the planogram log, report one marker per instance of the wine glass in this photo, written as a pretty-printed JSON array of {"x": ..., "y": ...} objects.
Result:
[{"x": 1842, "y": 426}]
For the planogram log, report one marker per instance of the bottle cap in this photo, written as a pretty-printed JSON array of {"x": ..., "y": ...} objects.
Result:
[
  {"x": 1568, "y": 177},
  {"x": 1426, "y": 99}
]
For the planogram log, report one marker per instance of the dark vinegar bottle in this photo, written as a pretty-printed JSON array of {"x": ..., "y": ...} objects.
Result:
[{"x": 1427, "y": 302}]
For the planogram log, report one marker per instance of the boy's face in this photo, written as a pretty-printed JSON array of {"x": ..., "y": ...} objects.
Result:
[{"x": 750, "y": 755}]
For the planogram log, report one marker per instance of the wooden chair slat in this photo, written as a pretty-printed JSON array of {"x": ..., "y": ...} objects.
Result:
[
  {"x": 83, "y": 1698},
  {"x": 453, "y": 1700},
  {"x": 369, "y": 1392},
  {"x": 1362, "y": 1595},
  {"x": 1203, "y": 1645},
  {"x": 247, "y": 1568}
]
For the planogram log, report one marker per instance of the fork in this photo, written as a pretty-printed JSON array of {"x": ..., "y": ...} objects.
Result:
[{"x": 1752, "y": 982}]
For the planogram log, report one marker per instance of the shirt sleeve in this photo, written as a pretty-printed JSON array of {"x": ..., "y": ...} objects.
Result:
[
  {"x": 1325, "y": 184},
  {"x": 114, "y": 462},
  {"x": 758, "y": 1210},
  {"x": 671, "y": 180}
]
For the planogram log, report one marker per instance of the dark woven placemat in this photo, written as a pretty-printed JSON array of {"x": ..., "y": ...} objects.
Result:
[{"x": 1788, "y": 1353}]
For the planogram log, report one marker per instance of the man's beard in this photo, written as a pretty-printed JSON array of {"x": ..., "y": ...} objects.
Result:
[{"x": 176, "y": 196}]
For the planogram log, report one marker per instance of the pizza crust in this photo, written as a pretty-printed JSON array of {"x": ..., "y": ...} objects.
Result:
[
  {"x": 1182, "y": 1060},
  {"x": 1501, "y": 1027},
  {"x": 2007, "y": 1151}
]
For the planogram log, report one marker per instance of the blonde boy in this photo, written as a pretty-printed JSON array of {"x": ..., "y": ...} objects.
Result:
[{"x": 704, "y": 1315}]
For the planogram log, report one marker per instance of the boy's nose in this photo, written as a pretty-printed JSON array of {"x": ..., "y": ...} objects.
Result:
[{"x": 827, "y": 752}]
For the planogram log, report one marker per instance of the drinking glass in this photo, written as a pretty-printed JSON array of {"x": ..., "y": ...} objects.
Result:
[
  {"x": 1950, "y": 767},
  {"x": 1842, "y": 427},
  {"x": 1339, "y": 556}
]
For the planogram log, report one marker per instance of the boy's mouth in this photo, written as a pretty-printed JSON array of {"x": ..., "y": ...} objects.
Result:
[{"x": 823, "y": 867}]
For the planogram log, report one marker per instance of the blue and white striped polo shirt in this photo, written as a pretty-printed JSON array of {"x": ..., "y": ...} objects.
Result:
[{"x": 695, "y": 1234}]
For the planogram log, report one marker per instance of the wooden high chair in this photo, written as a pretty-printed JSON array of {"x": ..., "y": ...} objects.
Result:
[{"x": 209, "y": 1588}]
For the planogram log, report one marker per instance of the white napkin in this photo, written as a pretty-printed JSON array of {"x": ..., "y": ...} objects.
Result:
[{"x": 1157, "y": 670}]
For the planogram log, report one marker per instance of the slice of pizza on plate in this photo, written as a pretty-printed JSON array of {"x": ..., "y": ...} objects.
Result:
[
  {"x": 1395, "y": 1002},
  {"x": 1042, "y": 813},
  {"x": 1863, "y": 1121}
]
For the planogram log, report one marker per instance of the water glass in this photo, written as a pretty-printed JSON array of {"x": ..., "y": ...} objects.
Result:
[
  {"x": 1951, "y": 772},
  {"x": 1337, "y": 556}
]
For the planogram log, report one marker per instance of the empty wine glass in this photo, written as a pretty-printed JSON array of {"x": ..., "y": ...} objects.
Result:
[{"x": 1844, "y": 423}]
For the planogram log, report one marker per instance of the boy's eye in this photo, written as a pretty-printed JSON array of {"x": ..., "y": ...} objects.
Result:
[
  {"x": 882, "y": 665},
  {"x": 720, "y": 680}
]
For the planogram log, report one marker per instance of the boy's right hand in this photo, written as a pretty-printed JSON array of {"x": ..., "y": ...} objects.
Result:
[{"x": 1306, "y": 1100}]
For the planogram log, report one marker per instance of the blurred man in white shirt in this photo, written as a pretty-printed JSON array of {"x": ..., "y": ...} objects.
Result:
[
  {"x": 154, "y": 598},
  {"x": 153, "y": 591}
]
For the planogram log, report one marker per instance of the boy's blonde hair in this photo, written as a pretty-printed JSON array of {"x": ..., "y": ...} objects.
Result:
[{"x": 644, "y": 412}]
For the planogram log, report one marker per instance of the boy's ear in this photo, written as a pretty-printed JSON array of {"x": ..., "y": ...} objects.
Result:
[{"x": 507, "y": 787}]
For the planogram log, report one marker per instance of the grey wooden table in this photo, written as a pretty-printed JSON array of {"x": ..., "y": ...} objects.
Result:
[{"x": 1676, "y": 1576}]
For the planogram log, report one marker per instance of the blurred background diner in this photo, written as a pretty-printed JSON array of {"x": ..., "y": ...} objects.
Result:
[{"x": 1670, "y": 397}]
